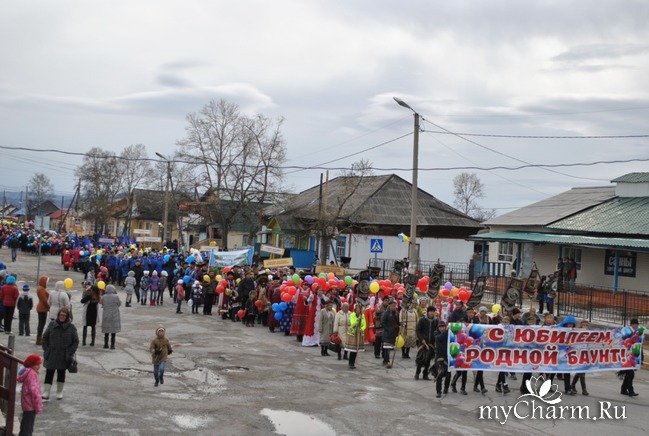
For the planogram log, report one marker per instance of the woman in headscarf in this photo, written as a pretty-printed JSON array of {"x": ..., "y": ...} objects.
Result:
[{"x": 60, "y": 342}]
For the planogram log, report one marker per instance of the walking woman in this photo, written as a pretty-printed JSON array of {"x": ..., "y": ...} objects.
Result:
[
  {"x": 42, "y": 308},
  {"x": 355, "y": 334},
  {"x": 111, "y": 323},
  {"x": 60, "y": 342},
  {"x": 90, "y": 301}
]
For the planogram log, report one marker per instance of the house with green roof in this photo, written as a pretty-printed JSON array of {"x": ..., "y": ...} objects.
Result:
[{"x": 605, "y": 229}]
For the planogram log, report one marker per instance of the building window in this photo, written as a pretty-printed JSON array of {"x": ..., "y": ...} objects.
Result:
[
  {"x": 148, "y": 226},
  {"x": 505, "y": 251},
  {"x": 574, "y": 253},
  {"x": 341, "y": 247}
]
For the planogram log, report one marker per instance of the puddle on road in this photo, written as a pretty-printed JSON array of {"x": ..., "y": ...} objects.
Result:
[
  {"x": 291, "y": 423},
  {"x": 189, "y": 422},
  {"x": 210, "y": 381}
]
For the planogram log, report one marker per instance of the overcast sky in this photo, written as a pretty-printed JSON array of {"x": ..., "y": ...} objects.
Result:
[{"x": 82, "y": 74}]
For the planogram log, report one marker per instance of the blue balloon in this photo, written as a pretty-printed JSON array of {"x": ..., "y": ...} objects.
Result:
[
  {"x": 99, "y": 257},
  {"x": 279, "y": 316},
  {"x": 187, "y": 279},
  {"x": 166, "y": 258},
  {"x": 175, "y": 271},
  {"x": 275, "y": 307},
  {"x": 86, "y": 253},
  {"x": 282, "y": 306},
  {"x": 190, "y": 259}
]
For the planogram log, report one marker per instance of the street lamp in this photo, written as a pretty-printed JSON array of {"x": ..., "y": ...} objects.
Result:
[
  {"x": 166, "y": 207},
  {"x": 413, "y": 254}
]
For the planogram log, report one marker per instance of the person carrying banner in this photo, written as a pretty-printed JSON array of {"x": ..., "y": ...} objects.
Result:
[
  {"x": 629, "y": 374},
  {"x": 441, "y": 359},
  {"x": 426, "y": 328}
]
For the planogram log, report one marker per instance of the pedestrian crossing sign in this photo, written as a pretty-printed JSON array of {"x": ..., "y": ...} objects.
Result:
[{"x": 376, "y": 245}]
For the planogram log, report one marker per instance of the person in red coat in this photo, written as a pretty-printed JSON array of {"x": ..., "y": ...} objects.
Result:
[{"x": 9, "y": 295}]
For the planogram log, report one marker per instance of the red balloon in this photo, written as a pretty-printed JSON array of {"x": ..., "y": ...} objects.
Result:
[
  {"x": 286, "y": 297},
  {"x": 314, "y": 287},
  {"x": 449, "y": 300},
  {"x": 227, "y": 269},
  {"x": 258, "y": 304},
  {"x": 291, "y": 290},
  {"x": 322, "y": 281},
  {"x": 326, "y": 286},
  {"x": 444, "y": 292},
  {"x": 333, "y": 282},
  {"x": 463, "y": 295},
  {"x": 220, "y": 289},
  {"x": 290, "y": 282},
  {"x": 241, "y": 313}
]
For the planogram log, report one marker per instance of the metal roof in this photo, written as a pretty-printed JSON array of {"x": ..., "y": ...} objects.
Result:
[
  {"x": 620, "y": 215},
  {"x": 555, "y": 208},
  {"x": 374, "y": 200},
  {"x": 562, "y": 239},
  {"x": 632, "y": 178}
]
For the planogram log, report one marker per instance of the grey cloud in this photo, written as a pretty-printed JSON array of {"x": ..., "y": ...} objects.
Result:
[
  {"x": 172, "y": 80},
  {"x": 589, "y": 52}
]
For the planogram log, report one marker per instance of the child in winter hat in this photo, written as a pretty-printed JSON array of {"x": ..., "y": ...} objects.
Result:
[
  {"x": 30, "y": 393},
  {"x": 25, "y": 304},
  {"x": 159, "y": 348}
]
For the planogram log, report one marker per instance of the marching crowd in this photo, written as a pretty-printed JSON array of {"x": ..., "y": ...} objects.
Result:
[{"x": 340, "y": 315}]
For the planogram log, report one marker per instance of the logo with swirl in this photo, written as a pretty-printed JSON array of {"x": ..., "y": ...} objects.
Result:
[{"x": 543, "y": 390}]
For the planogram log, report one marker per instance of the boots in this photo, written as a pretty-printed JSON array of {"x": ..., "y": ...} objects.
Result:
[
  {"x": 322, "y": 350},
  {"x": 352, "y": 360},
  {"x": 39, "y": 340},
  {"x": 105, "y": 340},
  {"x": 406, "y": 352},
  {"x": 92, "y": 336},
  {"x": 59, "y": 390},
  {"x": 340, "y": 354},
  {"x": 426, "y": 375},
  {"x": 345, "y": 355},
  {"x": 417, "y": 372},
  {"x": 46, "y": 391},
  {"x": 112, "y": 341},
  {"x": 152, "y": 302},
  {"x": 85, "y": 334}
]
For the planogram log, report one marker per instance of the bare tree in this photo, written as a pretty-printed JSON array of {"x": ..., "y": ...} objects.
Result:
[
  {"x": 136, "y": 170},
  {"x": 40, "y": 190},
  {"x": 332, "y": 220},
  {"x": 238, "y": 158},
  {"x": 468, "y": 189},
  {"x": 101, "y": 181}
]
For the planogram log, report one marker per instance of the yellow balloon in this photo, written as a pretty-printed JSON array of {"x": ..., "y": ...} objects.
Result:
[
  {"x": 219, "y": 278},
  {"x": 68, "y": 283},
  {"x": 495, "y": 308},
  {"x": 374, "y": 287},
  {"x": 101, "y": 284},
  {"x": 213, "y": 244},
  {"x": 206, "y": 278},
  {"x": 237, "y": 281},
  {"x": 400, "y": 342}
]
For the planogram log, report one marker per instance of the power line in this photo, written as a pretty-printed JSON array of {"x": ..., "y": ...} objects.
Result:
[{"x": 487, "y": 135}]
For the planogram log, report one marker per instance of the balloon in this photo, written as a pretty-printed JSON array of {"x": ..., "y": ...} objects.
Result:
[
  {"x": 348, "y": 280},
  {"x": 461, "y": 337},
  {"x": 212, "y": 243},
  {"x": 496, "y": 308},
  {"x": 279, "y": 316},
  {"x": 206, "y": 278},
  {"x": 476, "y": 331},
  {"x": 241, "y": 313},
  {"x": 219, "y": 278},
  {"x": 332, "y": 282},
  {"x": 227, "y": 269},
  {"x": 445, "y": 292},
  {"x": 166, "y": 258},
  {"x": 636, "y": 349},
  {"x": 627, "y": 332},
  {"x": 400, "y": 342},
  {"x": 292, "y": 290},
  {"x": 469, "y": 341},
  {"x": 101, "y": 284},
  {"x": 454, "y": 350},
  {"x": 456, "y": 328},
  {"x": 237, "y": 281},
  {"x": 283, "y": 306},
  {"x": 258, "y": 304},
  {"x": 275, "y": 307},
  {"x": 463, "y": 295},
  {"x": 454, "y": 292},
  {"x": 187, "y": 279},
  {"x": 296, "y": 278},
  {"x": 640, "y": 330},
  {"x": 322, "y": 274},
  {"x": 448, "y": 285},
  {"x": 220, "y": 289},
  {"x": 374, "y": 287},
  {"x": 68, "y": 283},
  {"x": 314, "y": 287},
  {"x": 331, "y": 275},
  {"x": 286, "y": 297},
  {"x": 309, "y": 280},
  {"x": 322, "y": 281},
  {"x": 99, "y": 257},
  {"x": 228, "y": 292}
]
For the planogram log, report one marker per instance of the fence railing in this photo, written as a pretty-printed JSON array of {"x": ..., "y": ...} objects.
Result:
[{"x": 597, "y": 304}]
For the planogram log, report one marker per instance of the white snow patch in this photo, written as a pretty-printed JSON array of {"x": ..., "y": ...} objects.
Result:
[
  {"x": 291, "y": 423},
  {"x": 190, "y": 422}
]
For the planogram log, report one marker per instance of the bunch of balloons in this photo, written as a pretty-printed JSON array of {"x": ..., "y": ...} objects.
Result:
[{"x": 279, "y": 309}]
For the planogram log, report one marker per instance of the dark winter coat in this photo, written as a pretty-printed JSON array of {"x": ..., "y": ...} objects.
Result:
[
  {"x": 390, "y": 323},
  {"x": 60, "y": 342},
  {"x": 163, "y": 346},
  {"x": 441, "y": 345},
  {"x": 25, "y": 303},
  {"x": 426, "y": 328}
]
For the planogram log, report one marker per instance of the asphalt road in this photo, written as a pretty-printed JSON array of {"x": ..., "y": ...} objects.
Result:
[{"x": 224, "y": 379}]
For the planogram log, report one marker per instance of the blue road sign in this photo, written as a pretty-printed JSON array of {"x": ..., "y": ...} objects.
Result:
[{"x": 376, "y": 245}]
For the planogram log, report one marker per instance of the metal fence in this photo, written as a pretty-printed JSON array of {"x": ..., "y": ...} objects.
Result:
[{"x": 597, "y": 304}]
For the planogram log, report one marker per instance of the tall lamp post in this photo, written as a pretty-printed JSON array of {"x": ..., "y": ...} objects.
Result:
[
  {"x": 413, "y": 253},
  {"x": 165, "y": 221}
]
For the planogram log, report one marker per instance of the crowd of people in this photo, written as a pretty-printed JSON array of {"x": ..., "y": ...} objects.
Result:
[{"x": 336, "y": 314}]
